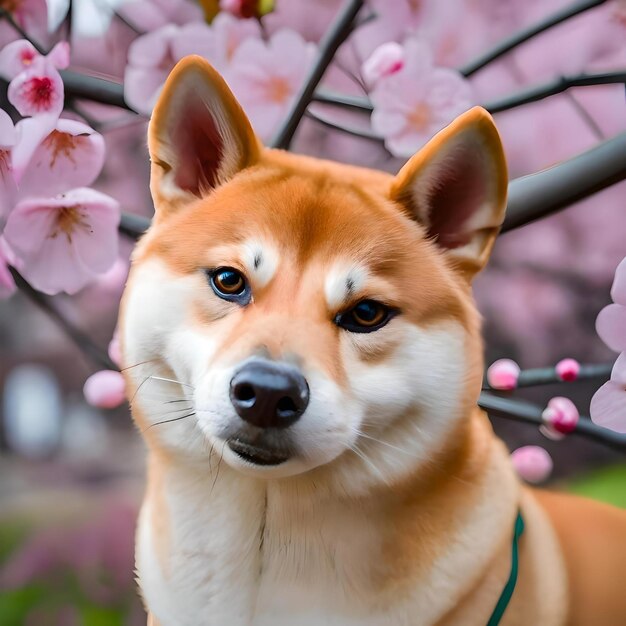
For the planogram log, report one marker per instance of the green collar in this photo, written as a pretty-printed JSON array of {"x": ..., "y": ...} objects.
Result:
[{"x": 509, "y": 588}]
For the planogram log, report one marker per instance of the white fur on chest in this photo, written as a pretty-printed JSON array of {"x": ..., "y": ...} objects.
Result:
[{"x": 242, "y": 556}]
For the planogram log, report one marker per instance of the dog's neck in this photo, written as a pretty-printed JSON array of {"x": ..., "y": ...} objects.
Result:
[{"x": 246, "y": 551}]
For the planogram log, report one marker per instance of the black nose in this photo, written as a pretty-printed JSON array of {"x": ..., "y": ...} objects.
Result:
[{"x": 269, "y": 394}]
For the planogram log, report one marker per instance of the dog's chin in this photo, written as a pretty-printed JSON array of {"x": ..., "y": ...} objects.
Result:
[{"x": 261, "y": 462}]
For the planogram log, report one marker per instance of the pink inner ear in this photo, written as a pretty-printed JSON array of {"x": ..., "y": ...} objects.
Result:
[
  {"x": 197, "y": 142},
  {"x": 459, "y": 190}
]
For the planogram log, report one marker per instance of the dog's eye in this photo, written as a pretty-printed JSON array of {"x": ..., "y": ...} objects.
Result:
[
  {"x": 365, "y": 317},
  {"x": 229, "y": 284}
]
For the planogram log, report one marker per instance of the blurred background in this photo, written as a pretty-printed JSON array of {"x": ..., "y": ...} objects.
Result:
[{"x": 71, "y": 474}]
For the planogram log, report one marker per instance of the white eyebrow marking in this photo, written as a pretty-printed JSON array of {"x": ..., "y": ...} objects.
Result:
[
  {"x": 342, "y": 280},
  {"x": 261, "y": 261}
]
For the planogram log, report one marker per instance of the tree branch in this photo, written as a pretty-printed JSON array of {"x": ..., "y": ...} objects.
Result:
[
  {"x": 94, "y": 88},
  {"x": 6, "y": 15},
  {"x": 521, "y": 411},
  {"x": 552, "y": 88},
  {"x": 83, "y": 341},
  {"x": 506, "y": 45},
  {"x": 548, "y": 376},
  {"x": 544, "y": 193},
  {"x": 331, "y": 41}
]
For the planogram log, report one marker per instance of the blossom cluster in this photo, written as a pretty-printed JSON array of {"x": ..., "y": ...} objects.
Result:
[{"x": 57, "y": 232}]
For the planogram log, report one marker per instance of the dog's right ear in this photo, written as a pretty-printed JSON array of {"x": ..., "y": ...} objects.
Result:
[{"x": 199, "y": 136}]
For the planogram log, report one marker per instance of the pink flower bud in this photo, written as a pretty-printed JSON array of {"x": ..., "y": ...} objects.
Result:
[
  {"x": 503, "y": 374},
  {"x": 115, "y": 350},
  {"x": 532, "y": 463},
  {"x": 568, "y": 369},
  {"x": 105, "y": 389},
  {"x": 561, "y": 415},
  {"x": 37, "y": 90},
  {"x": 384, "y": 61}
]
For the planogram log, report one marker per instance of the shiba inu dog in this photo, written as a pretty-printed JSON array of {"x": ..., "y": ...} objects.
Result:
[{"x": 304, "y": 359}]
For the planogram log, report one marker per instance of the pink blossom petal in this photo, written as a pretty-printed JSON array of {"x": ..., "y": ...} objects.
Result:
[
  {"x": 611, "y": 326},
  {"x": 618, "y": 291},
  {"x": 561, "y": 414},
  {"x": 60, "y": 55},
  {"x": 37, "y": 90},
  {"x": 105, "y": 389},
  {"x": 151, "y": 50},
  {"x": 608, "y": 406},
  {"x": 194, "y": 38},
  {"x": 567, "y": 369},
  {"x": 66, "y": 241},
  {"x": 71, "y": 156},
  {"x": 16, "y": 57},
  {"x": 618, "y": 373},
  {"x": 7, "y": 284},
  {"x": 384, "y": 61},
  {"x": 31, "y": 132},
  {"x": 115, "y": 349},
  {"x": 142, "y": 87},
  {"x": 8, "y": 134},
  {"x": 503, "y": 374},
  {"x": 532, "y": 463}
]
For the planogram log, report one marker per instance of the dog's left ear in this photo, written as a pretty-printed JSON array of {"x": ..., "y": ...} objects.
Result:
[{"x": 456, "y": 187}]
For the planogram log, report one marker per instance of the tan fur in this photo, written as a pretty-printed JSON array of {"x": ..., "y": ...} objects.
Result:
[{"x": 368, "y": 538}]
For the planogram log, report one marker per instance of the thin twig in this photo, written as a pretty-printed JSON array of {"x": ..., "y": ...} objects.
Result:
[
  {"x": 361, "y": 133},
  {"x": 6, "y": 15},
  {"x": 506, "y": 45},
  {"x": 521, "y": 411},
  {"x": 82, "y": 340},
  {"x": 554, "y": 87},
  {"x": 331, "y": 41},
  {"x": 548, "y": 376}
]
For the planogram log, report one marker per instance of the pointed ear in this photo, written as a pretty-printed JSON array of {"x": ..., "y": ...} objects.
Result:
[
  {"x": 199, "y": 136},
  {"x": 456, "y": 187}
]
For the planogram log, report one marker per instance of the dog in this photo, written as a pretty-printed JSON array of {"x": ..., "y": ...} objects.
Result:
[{"x": 303, "y": 357}]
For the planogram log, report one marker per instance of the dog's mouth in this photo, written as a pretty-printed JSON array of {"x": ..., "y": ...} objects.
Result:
[{"x": 255, "y": 455}]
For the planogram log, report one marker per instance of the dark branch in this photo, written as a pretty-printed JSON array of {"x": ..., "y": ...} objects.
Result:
[
  {"x": 331, "y": 41},
  {"x": 94, "y": 88},
  {"x": 539, "y": 195},
  {"x": 6, "y": 15},
  {"x": 524, "y": 96},
  {"x": 361, "y": 133},
  {"x": 82, "y": 340},
  {"x": 548, "y": 376},
  {"x": 521, "y": 411},
  {"x": 556, "y": 86},
  {"x": 506, "y": 45}
]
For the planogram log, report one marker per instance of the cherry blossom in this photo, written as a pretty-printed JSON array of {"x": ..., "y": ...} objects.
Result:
[
  {"x": 611, "y": 321},
  {"x": 386, "y": 60},
  {"x": 152, "y": 56},
  {"x": 567, "y": 369},
  {"x": 72, "y": 155},
  {"x": 38, "y": 89},
  {"x": 503, "y": 374},
  {"x": 21, "y": 54},
  {"x": 31, "y": 15},
  {"x": 105, "y": 389},
  {"x": 416, "y": 102},
  {"x": 266, "y": 76},
  {"x": 7, "y": 284},
  {"x": 8, "y": 188},
  {"x": 560, "y": 417},
  {"x": 65, "y": 241},
  {"x": 608, "y": 405},
  {"x": 148, "y": 15},
  {"x": 532, "y": 463}
]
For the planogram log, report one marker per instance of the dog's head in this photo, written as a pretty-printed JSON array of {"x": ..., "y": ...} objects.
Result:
[{"x": 296, "y": 315}]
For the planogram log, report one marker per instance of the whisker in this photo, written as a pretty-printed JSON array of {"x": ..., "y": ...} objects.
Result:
[
  {"x": 362, "y": 456},
  {"x": 130, "y": 367},
  {"x": 360, "y": 433},
  {"x": 181, "y": 400},
  {"x": 171, "y": 380},
  {"x": 174, "y": 419}
]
